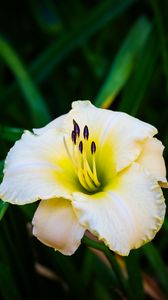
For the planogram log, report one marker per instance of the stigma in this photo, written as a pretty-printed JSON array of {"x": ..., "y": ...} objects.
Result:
[{"x": 82, "y": 155}]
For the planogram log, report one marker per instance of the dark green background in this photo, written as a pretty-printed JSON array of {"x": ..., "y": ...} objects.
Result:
[{"x": 114, "y": 53}]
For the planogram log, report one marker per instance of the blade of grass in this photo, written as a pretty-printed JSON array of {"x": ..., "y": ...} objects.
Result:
[
  {"x": 59, "y": 50},
  {"x": 157, "y": 264},
  {"x": 139, "y": 81},
  {"x": 124, "y": 62},
  {"x": 35, "y": 101},
  {"x": 96, "y": 20}
]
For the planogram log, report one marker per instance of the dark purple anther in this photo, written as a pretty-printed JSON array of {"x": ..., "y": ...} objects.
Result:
[
  {"x": 76, "y": 128},
  {"x": 81, "y": 147},
  {"x": 73, "y": 136},
  {"x": 93, "y": 147},
  {"x": 86, "y": 132}
]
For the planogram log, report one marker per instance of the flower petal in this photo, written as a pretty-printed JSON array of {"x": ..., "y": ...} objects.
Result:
[
  {"x": 114, "y": 130},
  {"x": 126, "y": 214},
  {"x": 118, "y": 132},
  {"x": 151, "y": 158},
  {"x": 38, "y": 167},
  {"x": 56, "y": 225},
  {"x": 57, "y": 124}
]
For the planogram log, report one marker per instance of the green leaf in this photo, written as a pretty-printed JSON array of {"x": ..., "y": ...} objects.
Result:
[
  {"x": 3, "y": 208},
  {"x": 59, "y": 50},
  {"x": 10, "y": 133},
  {"x": 159, "y": 9},
  {"x": 66, "y": 267},
  {"x": 101, "y": 292},
  {"x": 93, "y": 264},
  {"x": 113, "y": 261},
  {"x": 19, "y": 245},
  {"x": 139, "y": 81},
  {"x": 35, "y": 101},
  {"x": 3, "y": 205},
  {"x": 8, "y": 287},
  {"x": 124, "y": 62},
  {"x": 46, "y": 16},
  {"x": 157, "y": 264},
  {"x": 96, "y": 19},
  {"x": 134, "y": 274},
  {"x": 1, "y": 167}
]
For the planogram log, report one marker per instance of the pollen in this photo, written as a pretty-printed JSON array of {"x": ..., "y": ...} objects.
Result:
[
  {"x": 86, "y": 132},
  {"x": 76, "y": 128},
  {"x": 82, "y": 155}
]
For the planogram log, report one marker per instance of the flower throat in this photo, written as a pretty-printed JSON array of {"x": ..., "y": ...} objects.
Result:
[{"x": 86, "y": 172}]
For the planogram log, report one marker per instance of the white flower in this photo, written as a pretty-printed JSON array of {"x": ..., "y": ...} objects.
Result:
[{"x": 92, "y": 169}]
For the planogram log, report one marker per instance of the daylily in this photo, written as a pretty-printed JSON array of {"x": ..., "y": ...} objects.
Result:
[{"x": 93, "y": 169}]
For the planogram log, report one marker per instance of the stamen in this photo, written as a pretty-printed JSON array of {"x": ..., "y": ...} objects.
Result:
[
  {"x": 89, "y": 181},
  {"x": 95, "y": 178},
  {"x": 73, "y": 136},
  {"x": 81, "y": 147},
  {"x": 83, "y": 175},
  {"x": 82, "y": 178},
  {"x": 86, "y": 132},
  {"x": 93, "y": 147},
  {"x": 68, "y": 152},
  {"x": 84, "y": 168},
  {"x": 76, "y": 128},
  {"x": 88, "y": 174}
]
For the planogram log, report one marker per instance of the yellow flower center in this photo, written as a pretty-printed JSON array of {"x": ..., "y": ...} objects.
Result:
[{"x": 85, "y": 169}]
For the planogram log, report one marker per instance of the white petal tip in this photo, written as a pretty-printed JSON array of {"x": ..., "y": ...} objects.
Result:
[{"x": 81, "y": 104}]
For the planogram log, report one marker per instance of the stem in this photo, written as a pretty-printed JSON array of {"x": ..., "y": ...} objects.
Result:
[{"x": 114, "y": 263}]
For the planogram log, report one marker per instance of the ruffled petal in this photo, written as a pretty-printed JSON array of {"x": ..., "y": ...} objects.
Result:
[
  {"x": 38, "y": 167},
  {"x": 126, "y": 138},
  {"x": 126, "y": 214},
  {"x": 56, "y": 225},
  {"x": 57, "y": 124},
  {"x": 151, "y": 158},
  {"x": 113, "y": 130},
  {"x": 117, "y": 133}
]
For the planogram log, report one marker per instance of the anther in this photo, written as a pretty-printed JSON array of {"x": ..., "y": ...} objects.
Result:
[
  {"x": 86, "y": 132},
  {"x": 76, "y": 128},
  {"x": 73, "y": 136},
  {"x": 81, "y": 147},
  {"x": 93, "y": 147}
]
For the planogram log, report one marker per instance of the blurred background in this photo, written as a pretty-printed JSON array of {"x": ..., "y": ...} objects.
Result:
[{"x": 115, "y": 53}]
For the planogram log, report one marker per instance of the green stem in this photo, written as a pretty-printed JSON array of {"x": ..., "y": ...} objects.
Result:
[{"x": 111, "y": 258}]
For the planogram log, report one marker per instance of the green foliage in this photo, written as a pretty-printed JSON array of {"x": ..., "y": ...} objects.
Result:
[
  {"x": 35, "y": 101},
  {"x": 115, "y": 53},
  {"x": 124, "y": 63}
]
